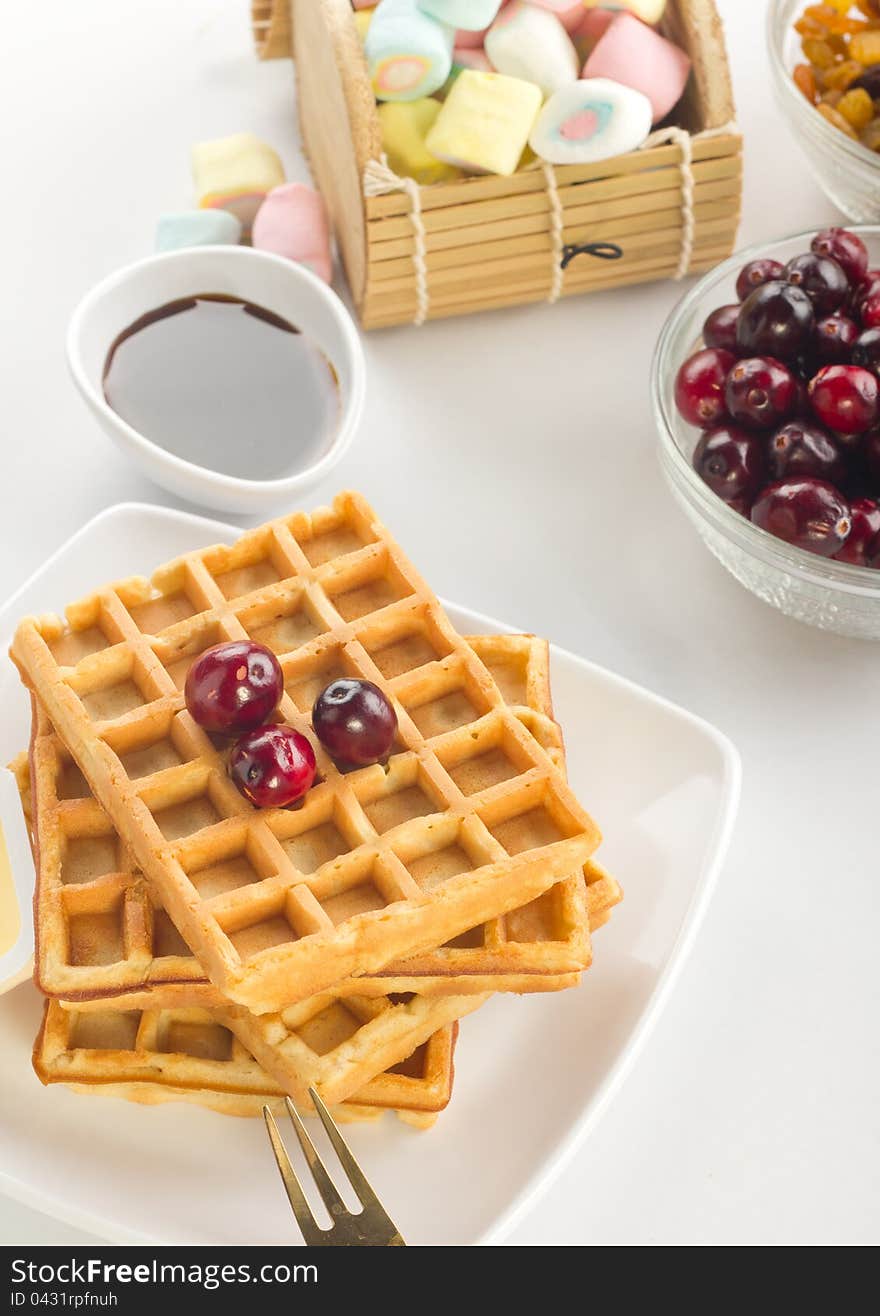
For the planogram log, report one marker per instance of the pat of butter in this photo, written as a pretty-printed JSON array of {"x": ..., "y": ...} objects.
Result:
[{"x": 16, "y": 887}]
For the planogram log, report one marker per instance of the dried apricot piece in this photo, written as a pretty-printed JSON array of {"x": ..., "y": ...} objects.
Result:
[
  {"x": 834, "y": 117},
  {"x": 857, "y": 108},
  {"x": 805, "y": 81},
  {"x": 819, "y": 53},
  {"x": 865, "y": 47},
  {"x": 842, "y": 75}
]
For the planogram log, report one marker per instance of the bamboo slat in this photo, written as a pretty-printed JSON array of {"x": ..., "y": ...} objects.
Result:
[
  {"x": 481, "y": 251},
  {"x": 506, "y": 301},
  {"x": 490, "y": 187},
  {"x": 643, "y": 186},
  {"x": 270, "y": 24},
  {"x": 528, "y": 277}
]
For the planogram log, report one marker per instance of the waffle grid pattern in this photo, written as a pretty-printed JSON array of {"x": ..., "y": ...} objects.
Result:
[
  {"x": 338, "y": 583},
  {"x": 191, "y": 1055},
  {"x": 100, "y": 934}
]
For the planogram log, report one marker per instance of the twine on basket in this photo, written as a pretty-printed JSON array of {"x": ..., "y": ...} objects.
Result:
[
  {"x": 562, "y": 254},
  {"x": 381, "y": 180}
]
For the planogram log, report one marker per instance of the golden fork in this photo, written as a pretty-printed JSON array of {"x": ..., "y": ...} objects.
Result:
[{"x": 371, "y": 1227}]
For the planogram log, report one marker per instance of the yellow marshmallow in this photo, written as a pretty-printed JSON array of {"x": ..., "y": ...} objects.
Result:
[
  {"x": 235, "y": 173},
  {"x": 485, "y": 122},
  {"x": 405, "y": 125},
  {"x": 362, "y": 20}
]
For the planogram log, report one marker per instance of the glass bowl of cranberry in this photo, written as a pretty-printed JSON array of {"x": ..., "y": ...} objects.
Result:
[
  {"x": 847, "y": 170},
  {"x": 766, "y": 391}
]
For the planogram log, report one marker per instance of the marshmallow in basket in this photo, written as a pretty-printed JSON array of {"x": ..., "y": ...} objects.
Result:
[
  {"x": 470, "y": 15},
  {"x": 649, "y": 11},
  {"x": 589, "y": 120},
  {"x": 636, "y": 55},
  {"x": 485, "y": 121},
  {"x": 408, "y": 52},
  {"x": 531, "y": 43}
]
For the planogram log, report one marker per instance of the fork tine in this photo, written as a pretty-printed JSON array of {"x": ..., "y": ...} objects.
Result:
[
  {"x": 325, "y": 1185},
  {"x": 301, "y": 1209},
  {"x": 356, "y": 1176}
]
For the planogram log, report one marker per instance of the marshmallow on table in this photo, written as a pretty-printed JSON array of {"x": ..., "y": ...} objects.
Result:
[
  {"x": 235, "y": 173},
  {"x": 590, "y": 120},
  {"x": 405, "y": 125},
  {"x": 197, "y": 228},
  {"x": 292, "y": 222},
  {"x": 485, "y": 121},
  {"x": 530, "y": 43},
  {"x": 409, "y": 54},
  {"x": 636, "y": 55},
  {"x": 473, "y": 15},
  {"x": 649, "y": 11}
]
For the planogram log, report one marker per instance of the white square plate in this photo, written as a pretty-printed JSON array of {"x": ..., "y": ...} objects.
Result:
[{"x": 533, "y": 1074}]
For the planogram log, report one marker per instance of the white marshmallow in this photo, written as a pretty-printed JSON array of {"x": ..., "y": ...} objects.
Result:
[
  {"x": 593, "y": 119},
  {"x": 409, "y": 53},
  {"x": 530, "y": 43}
]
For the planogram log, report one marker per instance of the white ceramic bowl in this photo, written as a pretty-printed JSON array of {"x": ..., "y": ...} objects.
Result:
[
  {"x": 847, "y": 172},
  {"x": 255, "y": 276}
]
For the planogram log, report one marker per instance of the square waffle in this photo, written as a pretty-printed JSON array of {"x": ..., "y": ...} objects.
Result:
[
  {"x": 99, "y": 933},
  {"x": 331, "y": 593},
  {"x": 190, "y": 1055}
]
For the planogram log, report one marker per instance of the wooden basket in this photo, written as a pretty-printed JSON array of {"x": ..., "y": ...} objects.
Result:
[{"x": 484, "y": 242}]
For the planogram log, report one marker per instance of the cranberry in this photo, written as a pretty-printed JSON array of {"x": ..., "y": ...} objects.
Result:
[
  {"x": 699, "y": 386},
  {"x": 272, "y": 766},
  {"x": 835, "y": 335},
  {"x": 866, "y": 350},
  {"x": 821, "y": 278},
  {"x": 870, "y": 310},
  {"x": 354, "y": 722},
  {"x": 233, "y": 687},
  {"x": 846, "y": 248},
  {"x": 807, "y": 513},
  {"x": 751, "y": 276},
  {"x": 868, "y": 286},
  {"x": 802, "y": 448},
  {"x": 719, "y": 329},
  {"x": 775, "y": 320},
  {"x": 845, "y": 398},
  {"x": 871, "y": 453},
  {"x": 862, "y": 548},
  {"x": 731, "y": 462},
  {"x": 760, "y": 391}
]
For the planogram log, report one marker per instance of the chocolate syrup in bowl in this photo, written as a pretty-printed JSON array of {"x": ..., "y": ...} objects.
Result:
[{"x": 224, "y": 384}]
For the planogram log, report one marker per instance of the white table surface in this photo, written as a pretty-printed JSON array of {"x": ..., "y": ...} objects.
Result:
[{"x": 515, "y": 454}]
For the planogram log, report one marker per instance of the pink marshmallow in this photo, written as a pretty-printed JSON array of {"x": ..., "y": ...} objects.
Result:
[
  {"x": 465, "y": 40},
  {"x": 596, "y": 22},
  {"x": 292, "y": 222},
  {"x": 634, "y": 54}
]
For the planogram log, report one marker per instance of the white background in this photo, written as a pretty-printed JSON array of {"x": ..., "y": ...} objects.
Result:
[{"x": 514, "y": 453}]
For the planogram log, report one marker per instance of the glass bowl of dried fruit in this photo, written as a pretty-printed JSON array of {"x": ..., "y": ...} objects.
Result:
[
  {"x": 825, "y": 64},
  {"x": 766, "y": 392}
]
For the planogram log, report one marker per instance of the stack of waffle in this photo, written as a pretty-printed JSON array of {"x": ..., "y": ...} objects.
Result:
[{"x": 192, "y": 947}]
